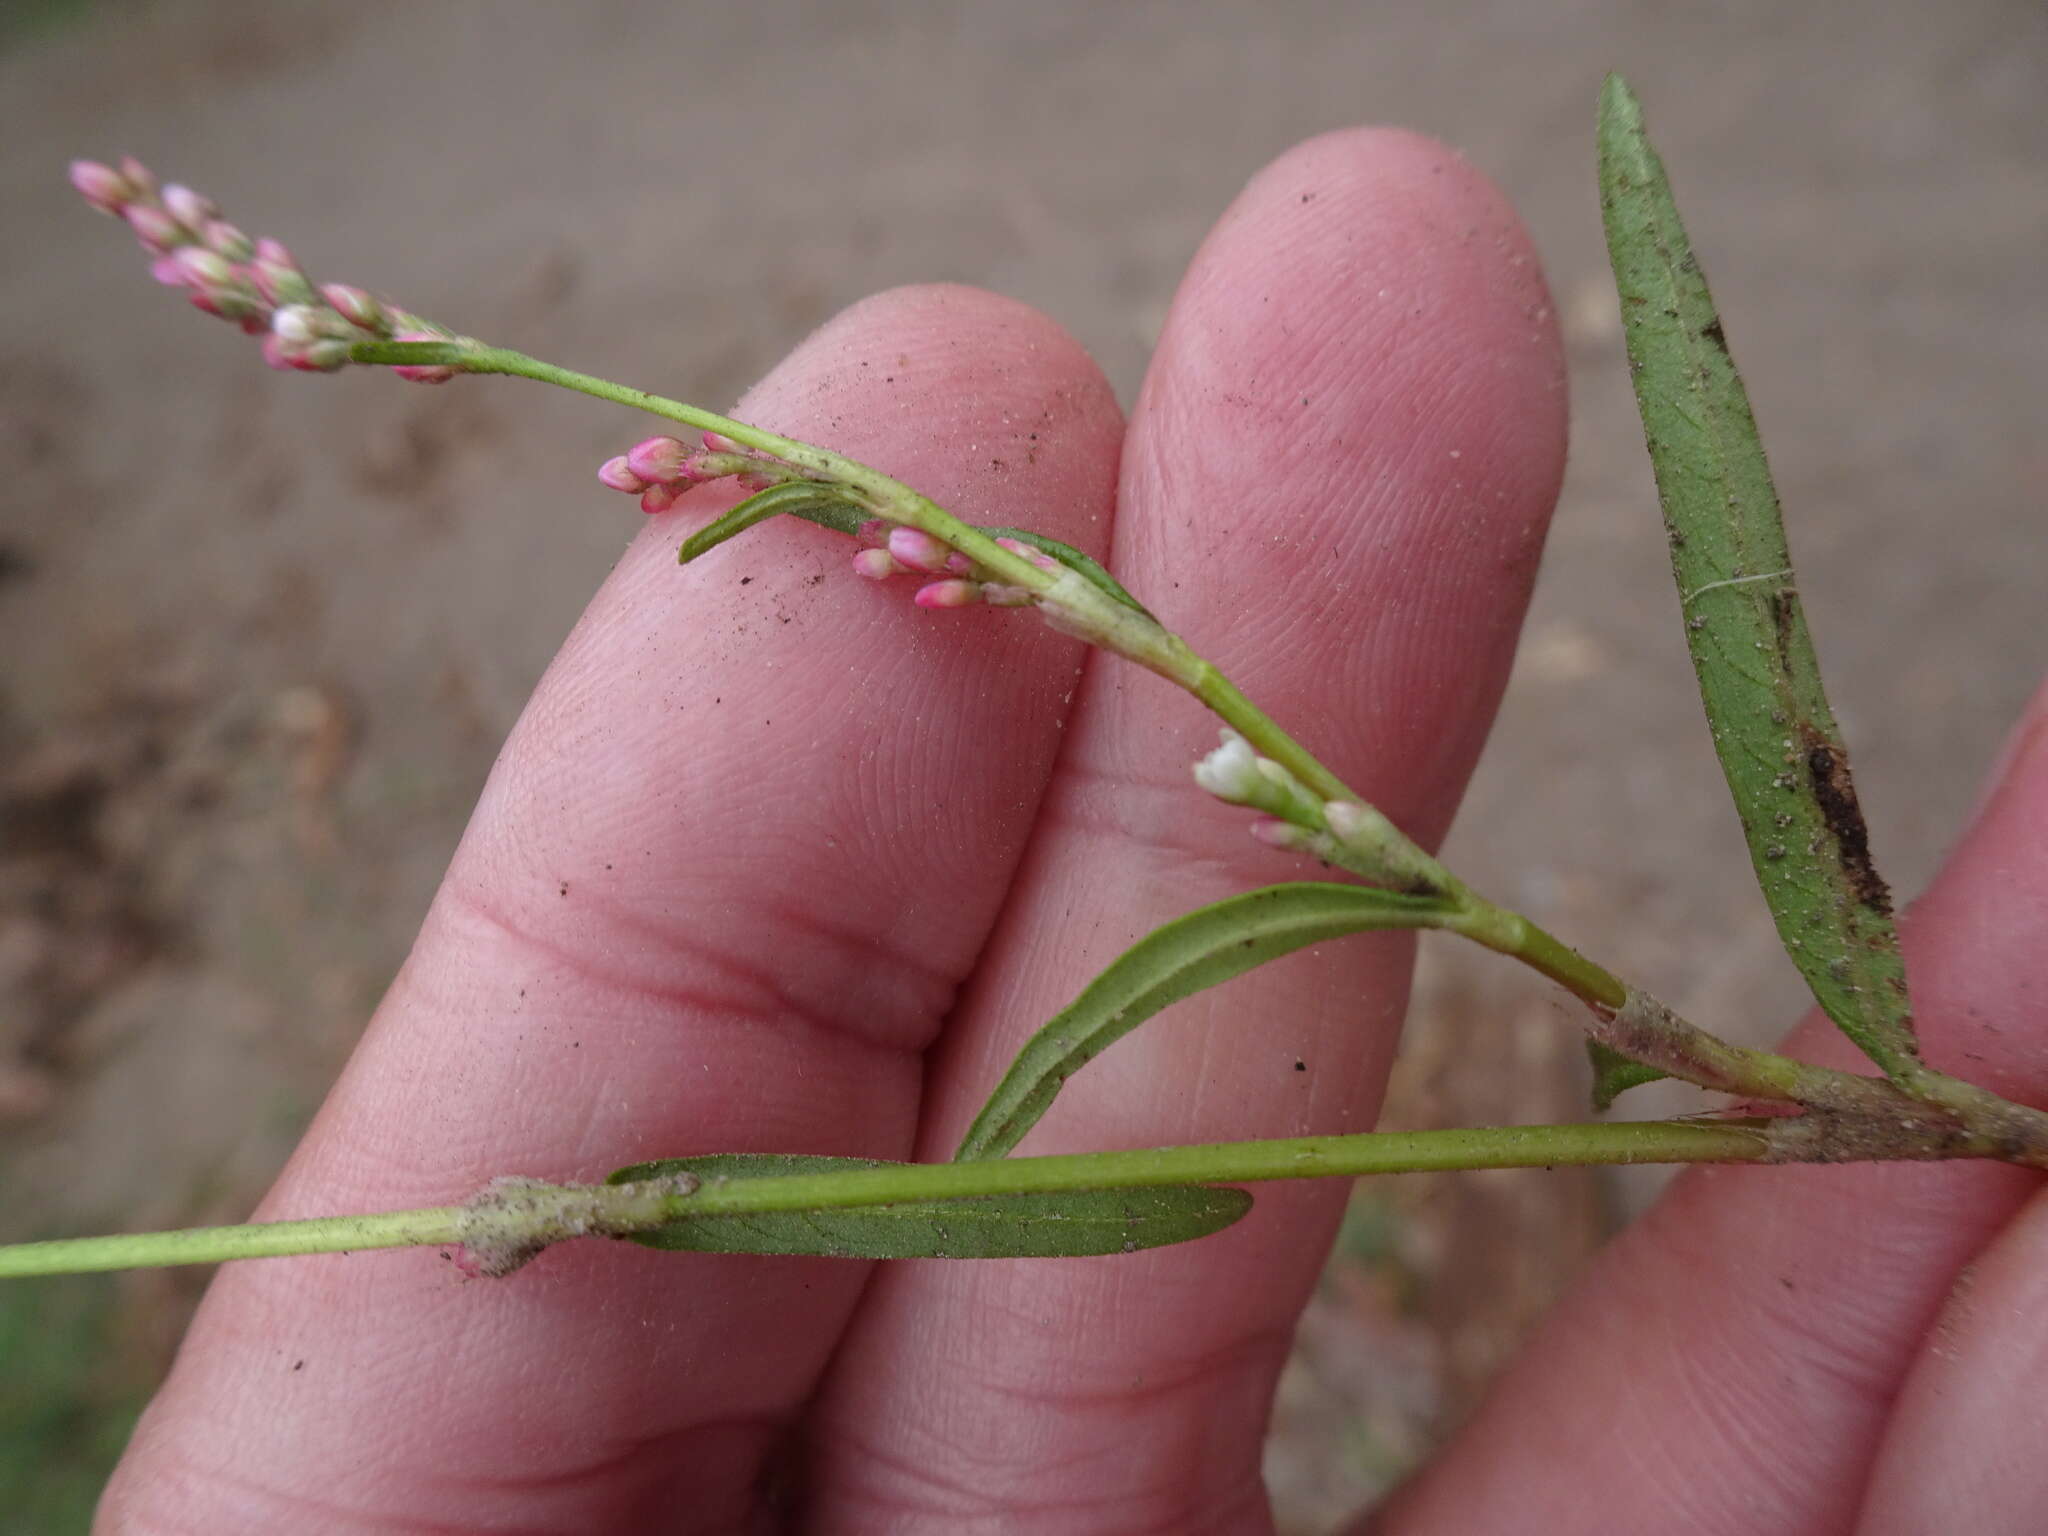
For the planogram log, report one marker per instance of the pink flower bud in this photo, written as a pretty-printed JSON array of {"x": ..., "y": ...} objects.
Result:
[
  {"x": 356, "y": 306},
  {"x": 659, "y": 498},
  {"x": 157, "y": 230},
  {"x": 1037, "y": 557},
  {"x": 918, "y": 549},
  {"x": 202, "y": 268},
  {"x": 297, "y": 325},
  {"x": 194, "y": 210},
  {"x": 222, "y": 237},
  {"x": 1231, "y": 771},
  {"x": 876, "y": 565},
  {"x": 948, "y": 594},
  {"x": 327, "y": 356},
  {"x": 618, "y": 475},
  {"x": 279, "y": 281},
  {"x": 658, "y": 460},
  {"x": 225, "y": 304},
  {"x": 101, "y": 185},
  {"x": 423, "y": 373},
  {"x": 141, "y": 181},
  {"x": 168, "y": 270},
  {"x": 1282, "y": 834},
  {"x": 719, "y": 443}
]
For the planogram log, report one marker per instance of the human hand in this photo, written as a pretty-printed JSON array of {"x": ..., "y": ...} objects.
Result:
[{"x": 769, "y": 864}]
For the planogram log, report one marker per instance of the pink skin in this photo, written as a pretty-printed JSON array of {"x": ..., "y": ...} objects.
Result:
[{"x": 610, "y": 973}]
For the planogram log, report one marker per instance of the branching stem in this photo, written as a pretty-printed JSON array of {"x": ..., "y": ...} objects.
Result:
[{"x": 1626, "y": 1019}]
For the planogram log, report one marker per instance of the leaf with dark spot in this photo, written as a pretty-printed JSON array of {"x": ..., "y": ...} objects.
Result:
[{"x": 1779, "y": 746}]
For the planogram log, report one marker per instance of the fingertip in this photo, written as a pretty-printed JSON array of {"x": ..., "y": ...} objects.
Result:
[
  {"x": 960, "y": 392},
  {"x": 1359, "y": 396}
]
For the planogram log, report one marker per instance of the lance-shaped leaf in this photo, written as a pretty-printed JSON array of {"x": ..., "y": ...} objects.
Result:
[
  {"x": 1064, "y": 1224},
  {"x": 1073, "y": 559},
  {"x": 1779, "y": 746},
  {"x": 1184, "y": 957},
  {"x": 806, "y": 499}
]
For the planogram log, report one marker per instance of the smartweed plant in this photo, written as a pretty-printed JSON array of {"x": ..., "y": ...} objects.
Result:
[{"x": 1784, "y": 758}]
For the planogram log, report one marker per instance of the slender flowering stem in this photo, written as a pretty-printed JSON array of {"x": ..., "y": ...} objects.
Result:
[{"x": 257, "y": 284}]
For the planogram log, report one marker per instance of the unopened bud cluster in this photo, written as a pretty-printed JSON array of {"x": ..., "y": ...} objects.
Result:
[
  {"x": 1347, "y": 833},
  {"x": 254, "y": 283},
  {"x": 660, "y": 469},
  {"x": 1238, "y": 775},
  {"x": 893, "y": 550}
]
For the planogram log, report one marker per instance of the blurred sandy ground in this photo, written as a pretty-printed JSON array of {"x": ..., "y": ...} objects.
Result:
[{"x": 259, "y": 639}]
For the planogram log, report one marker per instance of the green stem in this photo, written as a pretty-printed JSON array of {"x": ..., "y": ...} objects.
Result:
[
  {"x": 624, "y": 1208},
  {"x": 214, "y": 1245}
]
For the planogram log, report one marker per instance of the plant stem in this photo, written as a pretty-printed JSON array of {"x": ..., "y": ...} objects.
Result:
[
  {"x": 213, "y": 1245},
  {"x": 617, "y": 1210}
]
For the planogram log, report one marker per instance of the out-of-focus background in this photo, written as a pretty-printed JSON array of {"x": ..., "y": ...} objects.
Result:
[{"x": 260, "y": 636}]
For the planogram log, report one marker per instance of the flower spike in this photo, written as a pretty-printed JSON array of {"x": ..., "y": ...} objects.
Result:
[{"x": 251, "y": 282}]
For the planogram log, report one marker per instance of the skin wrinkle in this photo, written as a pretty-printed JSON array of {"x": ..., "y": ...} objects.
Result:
[
  {"x": 753, "y": 990},
  {"x": 950, "y": 1479}
]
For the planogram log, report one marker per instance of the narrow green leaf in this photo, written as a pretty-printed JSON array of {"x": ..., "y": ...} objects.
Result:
[
  {"x": 1614, "y": 1074},
  {"x": 1066, "y": 1224},
  {"x": 1779, "y": 746},
  {"x": 806, "y": 499},
  {"x": 1071, "y": 557},
  {"x": 1184, "y": 957}
]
